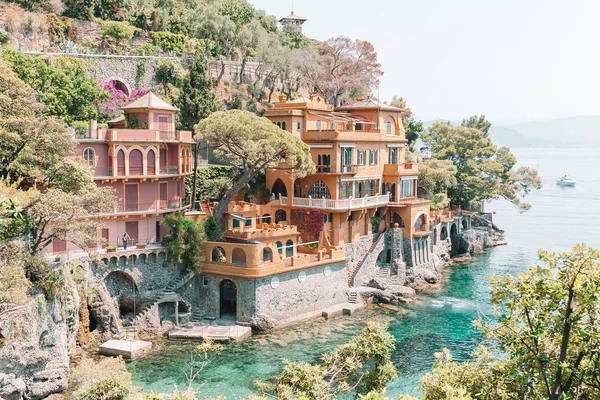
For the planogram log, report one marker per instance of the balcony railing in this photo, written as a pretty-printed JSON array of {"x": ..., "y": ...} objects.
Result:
[
  {"x": 138, "y": 171},
  {"x": 169, "y": 169},
  {"x": 329, "y": 204},
  {"x": 154, "y": 206},
  {"x": 103, "y": 171}
]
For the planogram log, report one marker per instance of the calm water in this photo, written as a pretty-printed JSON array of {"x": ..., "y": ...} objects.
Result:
[{"x": 559, "y": 218}]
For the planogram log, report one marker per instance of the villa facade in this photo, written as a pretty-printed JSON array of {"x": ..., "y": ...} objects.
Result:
[{"x": 146, "y": 161}]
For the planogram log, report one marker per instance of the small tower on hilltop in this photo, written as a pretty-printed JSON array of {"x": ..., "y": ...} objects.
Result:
[{"x": 292, "y": 22}]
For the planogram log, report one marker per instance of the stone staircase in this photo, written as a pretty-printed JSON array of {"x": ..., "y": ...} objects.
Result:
[
  {"x": 369, "y": 254},
  {"x": 383, "y": 273},
  {"x": 353, "y": 298},
  {"x": 197, "y": 316},
  {"x": 176, "y": 283},
  {"x": 205, "y": 207}
]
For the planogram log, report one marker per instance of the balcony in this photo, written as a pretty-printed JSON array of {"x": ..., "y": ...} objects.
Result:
[
  {"x": 144, "y": 135},
  {"x": 325, "y": 135},
  {"x": 169, "y": 170},
  {"x": 154, "y": 207},
  {"x": 336, "y": 205},
  {"x": 337, "y": 169},
  {"x": 401, "y": 169},
  {"x": 136, "y": 171}
]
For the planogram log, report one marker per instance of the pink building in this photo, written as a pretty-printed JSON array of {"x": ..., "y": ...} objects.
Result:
[{"x": 146, "y": 161}]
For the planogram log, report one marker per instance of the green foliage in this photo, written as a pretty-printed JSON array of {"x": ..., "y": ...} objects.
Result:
[
  {"x": 252, "y": 144},
  {"x": 211, "y": 182},
  {"x": 545, "y": 326},
  {"x": 197, "y": 100},
  {"x": 107, "y": 389},
  {"x": 14, "y": 286},
  {"x": 186, "y": 241},
  {"x": 79, "y": 9},
  {"x": 80, "y": 127},
  {"x": 213, "y": 230},
  {"x": 375, "y": 221},
  {"x": 361, "y": 366},
  {"x": 62, "y": 28},
  {"x": 413, "y": 129},
  {"x": 146, "y": 49},
  {"x": 106, "y": 378},
  {"x": 117, "y": 31},
  {"x": 436, "y": 177},
  {"x": 63, "y": 83},
  {"x": 479, "y": 123},
  {"x": 484, "y": 172},
  {"x": 169, "y": 41},
  {"x": 4, "y": 37}
]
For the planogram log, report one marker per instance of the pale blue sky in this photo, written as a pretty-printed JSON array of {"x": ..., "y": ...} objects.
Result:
[{"x": 512, "y": 60}]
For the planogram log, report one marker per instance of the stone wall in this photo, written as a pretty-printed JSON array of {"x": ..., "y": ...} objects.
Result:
[{"x": 357, "y": 251}]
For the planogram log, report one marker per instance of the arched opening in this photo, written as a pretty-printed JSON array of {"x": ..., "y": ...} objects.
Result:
[
  {"x": 266, "y": 219},
  {"x": 120, "y": 85},
  {"x": 123, "y": 288},
  {"x": 218, "y": 255},
  {"x": 280, "y": 215},
  {"x": 89, "y": 157},
  {"x": 397, "y": 219},
  {"x": 120, "y": 163},
  {"x": 359, "y": 189},
  {"x": 283, "y": 126},
  {"x": 289, "y": 248},
  {"x": 421, "y": 223},
  {"x": 444, "y": 233},
  {"x": 279, "y": 247},
  {"x": 267, "y": 255},
  {"x": 453, "y": 229},
  {"x": 135, "y": 162},
  {"x": 319, "y": 190},
  {"x": 92, "y": 322},
  {"x": 151, "y": 162},
  {"x": 228, "y": 298},
  {"x": 464, "y": 225},
  {"x": 279, "y": 188},
  {"x": 238, "y": 256},
  {"x": 183, "y": 308}
]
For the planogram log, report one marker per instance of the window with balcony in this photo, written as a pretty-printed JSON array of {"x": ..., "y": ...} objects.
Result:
[
  {"x": 350, "y": 186},
  {"x": 332, "y": 126},
  {"x": 343, "y": 190},
  {"x": 388, "y": 127},
  {"x": 359, "y": 126},
  {"x": 393, "y": 156},
  {"x": 346, "y": 159},
  {"x": 367, "y": 188},
  {"x": 324, "y": 163},
  {"x": 318, "y": 125},
  {"x": 90, "y": 157}
]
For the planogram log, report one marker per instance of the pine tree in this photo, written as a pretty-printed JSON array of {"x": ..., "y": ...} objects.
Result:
[{"x": 197, "y": 101}]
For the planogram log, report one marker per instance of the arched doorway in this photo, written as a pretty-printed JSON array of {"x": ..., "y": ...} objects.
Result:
[
  {"x": 444, "y": 233},
  {"x": 396, "y": 218},
  {"x": 151, "y": 156},
  {"x": 120, "y": 163},
  {"x": 123, "y": 288},
  {"x": 121, "y": 85},
  {"x": 421, "y": 223},
  {"x": 136, "y": 163},
  {"x": 228, "y": 298},
  {"x": 453, "y": 230},
  {"x": 464, "y": 224},
  {"x": 280, "y": 215},
  {"x": 289, "y": 248},
  {"x": 279, "y": 188}
]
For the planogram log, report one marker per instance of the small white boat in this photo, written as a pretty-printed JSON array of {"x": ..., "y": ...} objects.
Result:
[{"x": 566, "y": 180}]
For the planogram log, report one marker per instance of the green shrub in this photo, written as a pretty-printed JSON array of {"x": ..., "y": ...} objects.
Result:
[
  {"x": 81, "y": 127},
  {"x": 169, "y": 41},
  {"x": 146, "y": 49},
  {"x": 4, "y": 36},
  {"x": 118, "y": 31},
  {"x": 107, "y": 389}
]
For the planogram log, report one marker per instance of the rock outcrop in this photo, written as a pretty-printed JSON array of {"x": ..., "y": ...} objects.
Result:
[
  {"x": 262, "y": 323},
  {"x": 34, "y": 354}
]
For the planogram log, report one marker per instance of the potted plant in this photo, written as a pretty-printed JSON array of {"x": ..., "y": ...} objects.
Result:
[
  {"x": 140, "y": 245},
  {"x": 111, "y": 249}
]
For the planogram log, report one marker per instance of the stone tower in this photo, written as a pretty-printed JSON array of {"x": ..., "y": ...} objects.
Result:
[{"x": 292, "y": 22}]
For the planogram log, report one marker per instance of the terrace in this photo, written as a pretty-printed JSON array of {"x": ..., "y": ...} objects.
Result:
[{"x": 336, "y": 205}]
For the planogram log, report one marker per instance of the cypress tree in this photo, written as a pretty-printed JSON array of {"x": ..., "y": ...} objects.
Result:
[{"x": 197, "y": 101}]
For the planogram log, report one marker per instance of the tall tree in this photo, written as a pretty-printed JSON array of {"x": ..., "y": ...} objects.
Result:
[
  {"x": 478, "y": 122},
  {"x": 436, "y": 177},
  {"x": 197, "y": 101},
  {"x": 484, "y": 172},
  {"x": 252, "y": 144}
]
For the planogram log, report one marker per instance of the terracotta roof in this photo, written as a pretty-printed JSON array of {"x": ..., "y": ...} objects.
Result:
[
  {"x": 370, "y": 104},
  {"x": 293, "y": 16},
  {"x": 150, "y": 101},
  {"x": 120, "y": 118}
]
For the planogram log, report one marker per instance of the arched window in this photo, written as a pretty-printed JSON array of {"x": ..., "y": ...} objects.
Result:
[
  {"x": 319, "y": 190},
  {"x": 298, "y": 126},
  {"x": 389, "y": 127},
  {"x": 279, "y": 124},
  {"x": 218, "y": 255},
  {"x": 283, "y": 126},
  {"x": 280, "y": 215},
  {"x": 289, "y": 248},
  {"x": 90, "y": 157},
  {"x": 121, "y": 163},
  {"x": 279, "y": 188},
  {"x": 135, "y": 162},
  {"x": 267, "y": 255},
  {"x": 359, "y": 187},
  {"x": 279, "y": 247},
  {"x": 318, "y": 124},
  {"x": 367, "y": 188},
  {"x": 393, "y": 155},
  {"x": 238, "y": 256},
  {"x": 151, "y": 162}
]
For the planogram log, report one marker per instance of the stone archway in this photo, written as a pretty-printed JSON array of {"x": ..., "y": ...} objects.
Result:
[
  {"x": 453, "y": 229},
  {"x": 227, "y": 298},
  {"x": 444, "y": 233},
  {"x": 123, "y": 288},
  {"x": 120, "y": 84},
  {"x": 464, "y": 224}
]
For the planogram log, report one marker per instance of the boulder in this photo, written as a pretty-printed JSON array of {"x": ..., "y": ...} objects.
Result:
[
  {"x": 262, "y": 323},
  {"x": 403, "y": 291},
  {"x": 11, "y": 387},
  {"x": 377, "y": 284},
  {"x": 385, "y": 297}
]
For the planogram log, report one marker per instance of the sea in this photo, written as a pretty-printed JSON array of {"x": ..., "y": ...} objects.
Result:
[{"x": 559, "y": 218}]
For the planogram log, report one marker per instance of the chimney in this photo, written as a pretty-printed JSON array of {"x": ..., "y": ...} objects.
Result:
[
  {"x": 92, "y": 129},
  {"x": 282, "y": 98}
]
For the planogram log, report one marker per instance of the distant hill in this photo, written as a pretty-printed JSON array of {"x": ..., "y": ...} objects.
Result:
[{"x": 578, "y": 131}]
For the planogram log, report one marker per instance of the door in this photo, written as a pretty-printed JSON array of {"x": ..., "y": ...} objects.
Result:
[
  {"x": 131, "y": 197},
  {"x": 228, "y": 294},
  {"x": 104, "y": 237},
  {"x": 163, "y": 195},
  {"x": 163, "y": 161},
  {"x": 132, "y": 230}
]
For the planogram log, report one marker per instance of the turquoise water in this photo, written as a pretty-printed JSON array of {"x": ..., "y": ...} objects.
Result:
[{"x": 559, "y": 218}]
